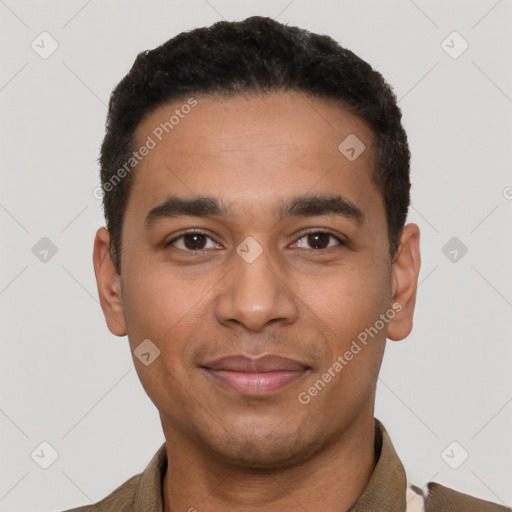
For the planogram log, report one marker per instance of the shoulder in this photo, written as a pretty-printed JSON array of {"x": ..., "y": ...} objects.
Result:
[
  {"x": 140, "y": 492},
  {"x": 119, "y": 500},
  {"x": 444, "y": 499}
]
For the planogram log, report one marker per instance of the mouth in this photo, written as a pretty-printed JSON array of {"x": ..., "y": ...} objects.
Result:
[{"x": 255, "y": 376}]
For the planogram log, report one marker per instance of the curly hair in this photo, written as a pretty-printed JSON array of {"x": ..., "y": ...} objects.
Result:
[{"x": 254, "y": 56}]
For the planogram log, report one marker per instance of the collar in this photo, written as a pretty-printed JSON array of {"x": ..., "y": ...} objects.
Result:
[
  {"x": 148, "y": 494},
  {"x": 387, "y": 487},
  {"x": 385, "y": 491}
]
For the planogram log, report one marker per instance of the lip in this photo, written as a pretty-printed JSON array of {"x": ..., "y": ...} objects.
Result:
[
  {"x": 266, "y": 363},
  {"x": 255, "y": 376}
]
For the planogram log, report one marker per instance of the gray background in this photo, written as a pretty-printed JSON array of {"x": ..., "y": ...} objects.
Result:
[{"x": 67, "y": 381}]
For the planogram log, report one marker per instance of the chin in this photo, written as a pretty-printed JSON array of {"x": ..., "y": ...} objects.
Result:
[{"x": 265, "y": 451}]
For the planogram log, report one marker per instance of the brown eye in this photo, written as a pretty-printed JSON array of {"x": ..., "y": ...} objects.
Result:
[
  {"x": 318, "y": 240},
  {"x": 192, "y": 242}
]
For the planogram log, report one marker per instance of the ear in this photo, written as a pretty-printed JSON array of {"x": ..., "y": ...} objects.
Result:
[
  {"x": 405, "y": 271},
  {"x": 109, "y": 283}
]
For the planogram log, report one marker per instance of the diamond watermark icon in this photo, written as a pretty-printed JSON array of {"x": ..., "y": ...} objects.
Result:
[
  {"x": 249, "y": 249},
  {"x": 454, "y": 249},
  {"x": 454, "y": 455},
  {"x": 454, "y": 45},
  {"x": 44, "y": 45},
  {"x": 146, "y": 352},
  {"x": 44, "y": 250},
  {"x": 44, "y": 455},
  {"x": 351, "y": 147}
]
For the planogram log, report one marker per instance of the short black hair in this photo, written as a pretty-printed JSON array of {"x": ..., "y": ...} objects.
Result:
[{"x": 254, "y": 56}]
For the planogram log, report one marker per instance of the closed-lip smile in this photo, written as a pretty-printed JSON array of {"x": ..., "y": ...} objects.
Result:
[{"x": 255, "y": 376}]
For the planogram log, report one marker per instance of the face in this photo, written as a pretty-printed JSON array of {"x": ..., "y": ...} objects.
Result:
[{"x": 286, "y": 255}]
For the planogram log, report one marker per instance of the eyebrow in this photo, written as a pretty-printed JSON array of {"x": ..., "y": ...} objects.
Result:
[{"x": 300, "y": 206}]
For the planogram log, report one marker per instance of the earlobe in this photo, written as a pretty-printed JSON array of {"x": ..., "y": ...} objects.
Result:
[
  {"x": 109, "y": 284},
  {"x": 405, "y": 272}
]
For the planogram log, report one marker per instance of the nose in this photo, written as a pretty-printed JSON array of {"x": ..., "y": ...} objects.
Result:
[{"x": 255, "y": 294}]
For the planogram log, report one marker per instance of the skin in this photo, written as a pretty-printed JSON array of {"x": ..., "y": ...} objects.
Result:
[{"x": 227, "y": 451}]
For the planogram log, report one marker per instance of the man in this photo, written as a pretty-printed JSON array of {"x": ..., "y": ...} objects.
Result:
[{"x": 256, "y": 188}]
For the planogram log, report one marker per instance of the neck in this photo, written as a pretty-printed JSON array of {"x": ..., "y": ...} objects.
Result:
[{"x": 331, "y": 480}]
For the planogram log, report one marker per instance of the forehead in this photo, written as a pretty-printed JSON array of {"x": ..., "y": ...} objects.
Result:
[{"x": 252, "y": 152}]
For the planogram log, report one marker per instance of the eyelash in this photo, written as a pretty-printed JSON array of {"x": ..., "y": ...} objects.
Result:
[{"x": 198, "y": 232}]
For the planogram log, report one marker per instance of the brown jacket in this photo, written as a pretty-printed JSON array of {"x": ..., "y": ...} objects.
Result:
[{"x": 386, "y": 491}]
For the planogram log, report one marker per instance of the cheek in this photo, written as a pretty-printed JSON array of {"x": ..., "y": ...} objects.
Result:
[
  {"x": 171, "y": 309},
  {"x": 346, "y": 308},
  {"x": 155, "y": 302},
  {"x": 167, "y": 311},
  {"x": 347, "y": 302}
]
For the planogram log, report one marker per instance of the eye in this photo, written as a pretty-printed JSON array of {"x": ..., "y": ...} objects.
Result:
[
  {"x": 318, "y": 240},
  {"x": 199, "y": 241},
  {"x": 192, "y": 241}
]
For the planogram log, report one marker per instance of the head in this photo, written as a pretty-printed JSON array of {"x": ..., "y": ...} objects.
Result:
[{"x": 256, "y": 188}]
